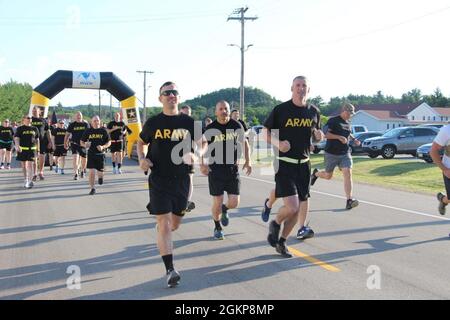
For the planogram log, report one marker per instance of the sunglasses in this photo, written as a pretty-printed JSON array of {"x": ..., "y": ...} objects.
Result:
[{"x": 167, "y": 93}]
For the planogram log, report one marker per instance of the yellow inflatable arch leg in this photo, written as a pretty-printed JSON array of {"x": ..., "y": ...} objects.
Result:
[
  {"x": 40, "y": 101},
  {"x": 132, "y": 119}
]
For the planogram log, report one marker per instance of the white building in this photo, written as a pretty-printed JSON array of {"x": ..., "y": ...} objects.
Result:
[{"x": 388, "y": 116}]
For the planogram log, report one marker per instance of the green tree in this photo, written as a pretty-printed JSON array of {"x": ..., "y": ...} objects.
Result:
[
  {"x": 14, "y": 100},
  {"x": 413, "y": 96}
]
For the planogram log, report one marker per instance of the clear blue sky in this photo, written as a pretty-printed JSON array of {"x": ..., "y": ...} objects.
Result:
[{"x": 344, "y": 46}]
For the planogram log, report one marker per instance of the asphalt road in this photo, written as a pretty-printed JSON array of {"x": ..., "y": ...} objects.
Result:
[{"x": 393, "y": 246}]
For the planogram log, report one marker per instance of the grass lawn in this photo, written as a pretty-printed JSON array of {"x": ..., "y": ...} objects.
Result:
[{"x": 405, "y": 173}]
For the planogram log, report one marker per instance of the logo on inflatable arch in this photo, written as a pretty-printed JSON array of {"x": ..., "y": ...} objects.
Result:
[
  {"x": 131, "y": 115},
  {"x": 86, "y": 80}
]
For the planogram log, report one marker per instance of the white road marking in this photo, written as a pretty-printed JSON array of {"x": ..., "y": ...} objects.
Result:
[{"x": 363, "y": 201}]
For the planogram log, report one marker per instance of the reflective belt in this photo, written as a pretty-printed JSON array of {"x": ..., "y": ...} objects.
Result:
[
  {"x": 28, "y": 148},
  {"x": 116, "y": 140},
  {"x": 292, "y": 160},
  {"x": 2, "y": 141}
]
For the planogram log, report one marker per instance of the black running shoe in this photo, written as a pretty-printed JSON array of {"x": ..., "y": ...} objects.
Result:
[
  {"x": 274, "y": 233},
  {"x": 440, "y": 196},
  {"x": 265, "y": 212},
  {"x": 100, "y": 181},
  {"x": 34, "y": 178},
  {"x": 173, "y": 278},
  {"x": 75, "y": 177},
  {"x": 313, "y": 176},
  {"x": 225, "y": 220},
  {"x": 283, "y": 250},
  {"x": 82, "y": 174},
  {"x": 190, "y": 206},
  {"x": 304, "y": 233},
  {"x": 92, "y": 192},
  {"x": 351, "y": 203}
]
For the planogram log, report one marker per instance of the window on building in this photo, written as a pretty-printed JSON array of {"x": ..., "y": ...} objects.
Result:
[
  {"x": 413, "y": 118},
  {"x": 429, "y": 118},
  {"x": 434, "y": 118},
  {"x": 388, "y": 126},
  {"x": 442, "y": 118},
  {"x": 393, "y": 126},
  {"x": 423, "y": 118}
]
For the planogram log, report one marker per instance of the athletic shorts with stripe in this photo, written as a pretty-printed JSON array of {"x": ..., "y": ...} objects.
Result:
[{"x": 293, "y": 179}]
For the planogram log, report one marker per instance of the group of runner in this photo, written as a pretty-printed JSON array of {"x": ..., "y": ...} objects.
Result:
[
  {"x": 87, "y": 142},
  {"x": 171, "y": 142}
]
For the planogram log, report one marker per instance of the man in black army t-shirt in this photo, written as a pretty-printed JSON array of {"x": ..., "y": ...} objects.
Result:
[
  {"x": 27, "y": 145},
  {"x": 170, "y": 135},
  {"x": 290, "y": 127},
  {"x": 58, "y": 136},
  {"x": 44, "y": 142},
  {"x": 225, "y": 138},
  {"x": 6, "y": 143},
  {"x": 74, "y": 133},
  {"x": 117, "y": 130},
  {"x": 337, "y": 152},
  {"x": 96, "y": 139}
]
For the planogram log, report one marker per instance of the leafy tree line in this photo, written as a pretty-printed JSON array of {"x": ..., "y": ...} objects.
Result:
[{"x": 15, "y": 100}]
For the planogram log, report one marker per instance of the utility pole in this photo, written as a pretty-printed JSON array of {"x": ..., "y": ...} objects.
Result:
[
  {"x": 99, "y": 102},
  {"x": 110, "y": 107},
  {"x": 240, "y": 12},
  {"x": 144, "y": 116}
]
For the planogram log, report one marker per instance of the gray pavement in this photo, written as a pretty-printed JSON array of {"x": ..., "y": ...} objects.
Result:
[{"x": 393, "y": 246}]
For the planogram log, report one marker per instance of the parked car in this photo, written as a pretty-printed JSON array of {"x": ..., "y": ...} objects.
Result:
[
  {"x": 356, "y": 129},
  {"x": 435, "y": 125},
  {"x": 363, "y": 136},
  {"x": 423, "y": 152},
  {"x": 403, "y": 140}
]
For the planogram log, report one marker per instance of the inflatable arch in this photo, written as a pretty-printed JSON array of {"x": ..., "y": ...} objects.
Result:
[{"x": 108, "y": 81}]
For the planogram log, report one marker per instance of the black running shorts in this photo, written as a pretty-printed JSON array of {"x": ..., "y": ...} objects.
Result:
[
  {"x": 116, "y": 146},
  {"x": 223, "y": 180},
  {"x": 60, "y": 151},
  {"x": 77, "y": 149},
  {"x": 26, "y": 155},
  {"x": 96, "y": 161},
  {"x": 293, "y": 179},
  {"x": 43, "y": 147},
  {"x": 6, "y": 146},
  {"x": 168, "y": 194}
]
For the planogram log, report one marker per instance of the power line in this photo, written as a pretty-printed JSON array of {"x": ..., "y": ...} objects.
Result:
[
  {"x": 359, "y": 35},
  {"x": 55, "y": 21}
]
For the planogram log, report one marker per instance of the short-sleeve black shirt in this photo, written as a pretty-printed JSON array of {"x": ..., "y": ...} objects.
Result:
[
  {"x": 223, "y": 138},
  {"x": 164, "y": 134},
  {"x": 41, "y": 124},
  {"x": 96, "y": 137},
  {"x": 295, "y": 124},
  {"x": 27, "y": 135},
  {"x": 77, "y": 129},
  {"x": 59, "y": 134},
  {"x": 340, "y": 127},
  {"x": 118, "y": 134},
  {"x": 6, "y": 134}
]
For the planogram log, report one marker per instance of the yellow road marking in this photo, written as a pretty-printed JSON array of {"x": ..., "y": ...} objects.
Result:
[{"x": 313, "y": 260}]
